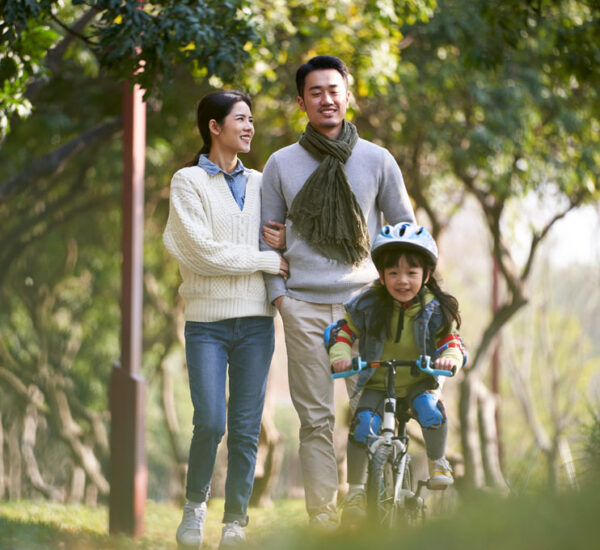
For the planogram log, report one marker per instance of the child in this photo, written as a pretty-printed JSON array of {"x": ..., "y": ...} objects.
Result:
[{"x": 403, "y": 315}]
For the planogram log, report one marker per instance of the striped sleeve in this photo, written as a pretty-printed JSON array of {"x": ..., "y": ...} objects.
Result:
[{"x": 342, "y": 348}]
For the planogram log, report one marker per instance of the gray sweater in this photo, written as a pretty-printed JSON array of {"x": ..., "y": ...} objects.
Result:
[{"x": 379, "y": 188}]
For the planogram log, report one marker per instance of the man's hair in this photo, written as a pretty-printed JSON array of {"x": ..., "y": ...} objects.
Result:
[{"x": 318, "y": 63}]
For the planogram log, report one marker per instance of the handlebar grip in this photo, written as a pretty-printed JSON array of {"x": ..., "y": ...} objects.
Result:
[
  {"x": 355, "y": 366},
  {"x": 440, "y": 372},
  {"x": 429, "y": 370}
]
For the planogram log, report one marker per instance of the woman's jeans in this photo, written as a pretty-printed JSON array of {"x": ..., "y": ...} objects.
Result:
[{"x": 245, "y": 344}]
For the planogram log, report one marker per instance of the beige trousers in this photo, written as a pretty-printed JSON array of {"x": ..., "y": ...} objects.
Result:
[{"x": 311, "y": 390}]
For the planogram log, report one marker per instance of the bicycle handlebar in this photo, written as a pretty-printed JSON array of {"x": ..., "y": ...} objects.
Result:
[{"x": 423, "y": 364}]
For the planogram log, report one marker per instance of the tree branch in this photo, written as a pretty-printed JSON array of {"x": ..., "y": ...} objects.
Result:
[
  {"x": 53, "y": 162},
  {"x": 539, "y": 236},
  {"x": 73, "y": 31}
]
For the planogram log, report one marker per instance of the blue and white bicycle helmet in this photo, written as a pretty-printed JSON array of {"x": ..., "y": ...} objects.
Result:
[{"x": 407, "y": 236}]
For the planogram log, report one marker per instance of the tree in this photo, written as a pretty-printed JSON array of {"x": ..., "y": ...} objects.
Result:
[
  {"x": 491, "y": 108},
  {"x": 131, "y": 40}
]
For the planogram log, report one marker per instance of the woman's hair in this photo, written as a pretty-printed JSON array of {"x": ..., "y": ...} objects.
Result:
[
  {"x": 448, "y": 303},
  {"x": 216, "y": 105}
]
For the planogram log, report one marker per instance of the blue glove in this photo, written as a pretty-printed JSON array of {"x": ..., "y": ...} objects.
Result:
[{"x": 428, "y": 411}]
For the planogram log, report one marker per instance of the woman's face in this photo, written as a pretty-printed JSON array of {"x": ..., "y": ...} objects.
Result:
[{"x": 235, "y": 134}]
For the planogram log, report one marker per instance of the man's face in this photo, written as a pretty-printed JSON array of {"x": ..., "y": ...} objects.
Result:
[{"x": 325, "y": 101}]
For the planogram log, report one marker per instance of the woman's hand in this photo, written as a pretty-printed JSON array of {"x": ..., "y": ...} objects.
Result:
[
  {"x": 341, "y": 365},
  {"x": 444, "y": 363},
  {"x": 274, "y": 236}
]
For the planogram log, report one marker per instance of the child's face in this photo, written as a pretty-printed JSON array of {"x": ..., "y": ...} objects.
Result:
[{"x": 403, "y": 281}]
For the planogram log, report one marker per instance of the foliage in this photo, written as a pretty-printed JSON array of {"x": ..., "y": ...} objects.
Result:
[
  {"x": 592, "y": 446},
  {"x": 366, "y": 35},
  {"x": 131, "y": 40}
]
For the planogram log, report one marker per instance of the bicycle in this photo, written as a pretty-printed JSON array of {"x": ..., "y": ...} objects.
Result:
[{"x": 391, "y": 495}]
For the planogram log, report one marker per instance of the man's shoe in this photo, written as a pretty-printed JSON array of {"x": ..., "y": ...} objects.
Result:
[
  {"x": 440, "y": 474},
  {"x": 190, "y": 530},
  {"x": 354, "y": 508},
  {"x": 232, "y": 535},
  {"x": 324, "y": 522}
]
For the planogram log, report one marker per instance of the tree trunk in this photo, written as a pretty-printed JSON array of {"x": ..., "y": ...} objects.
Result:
[
  {"x": 170, "y": 415},
  {"x": 488, "y": 409},
  {"x": 268, "y": 462},
  {"x": 77, "y": 491},
  {"x": 32, "y": 469},
  {"x": 71, "y": 433},
  {"x": 2, "y": 474},
  {"x": 14, "y": 461},
  {"x": 91, "y": 495},
  {"x": 469, "y": 431},
  {"x": 567, "y": 460}
]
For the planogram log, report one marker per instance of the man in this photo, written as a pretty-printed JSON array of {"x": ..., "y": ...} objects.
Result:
[{"x": 331, "y": 189}]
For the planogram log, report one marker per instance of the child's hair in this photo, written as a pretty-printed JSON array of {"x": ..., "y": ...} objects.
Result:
[
  {"x": 215, "y": 105},
  {"x": 448, "y": 303}
]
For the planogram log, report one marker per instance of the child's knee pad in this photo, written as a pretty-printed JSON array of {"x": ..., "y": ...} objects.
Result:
[
  {"x": 429, "y": 410},
  {"x": 366, "y": 422}
]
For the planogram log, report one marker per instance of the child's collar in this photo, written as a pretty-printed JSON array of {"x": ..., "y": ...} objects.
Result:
[{"x": 406, "y": 305}]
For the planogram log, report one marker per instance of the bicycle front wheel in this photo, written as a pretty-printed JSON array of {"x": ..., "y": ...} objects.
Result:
[
  {"x": 380, "y": 487},
  {"x": 410, "y": 509}
]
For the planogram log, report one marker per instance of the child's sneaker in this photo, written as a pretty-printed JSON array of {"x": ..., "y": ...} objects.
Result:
[
  {"x": 190, "y": 530},
  {"x": 440, "y": 474},
  {"x": 232, "y": 535},
  {"x": 354, "y": 508}
]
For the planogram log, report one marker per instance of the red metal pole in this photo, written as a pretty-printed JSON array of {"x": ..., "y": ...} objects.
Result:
[{"x": 128, "y": 471}]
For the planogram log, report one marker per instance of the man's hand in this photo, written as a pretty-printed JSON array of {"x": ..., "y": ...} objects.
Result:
[{"x": 277, "y": 301}]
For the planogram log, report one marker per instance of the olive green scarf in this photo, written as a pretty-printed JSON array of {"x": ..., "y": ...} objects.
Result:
[{"x": 326, "y": 212}]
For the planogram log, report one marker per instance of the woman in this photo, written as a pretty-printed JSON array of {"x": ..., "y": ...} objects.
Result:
[{"x": 213, "y": 232}]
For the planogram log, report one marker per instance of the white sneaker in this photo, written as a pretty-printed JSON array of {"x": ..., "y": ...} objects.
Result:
[
  {"x": 440, "y": 474},
  {"x": 190, "y": 530},
  {"x": 232, "y": 535},
  {"x": 324, "y": 522}
]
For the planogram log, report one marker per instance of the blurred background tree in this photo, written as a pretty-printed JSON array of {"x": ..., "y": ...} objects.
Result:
[{"x": 491, "y": 109}]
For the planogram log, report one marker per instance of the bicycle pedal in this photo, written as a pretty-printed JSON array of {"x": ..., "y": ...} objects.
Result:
[{"x": 436, "y": 488}]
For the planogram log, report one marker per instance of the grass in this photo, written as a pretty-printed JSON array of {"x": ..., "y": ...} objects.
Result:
[
  {"x": 37, "y": 525},
  {"x": 541, "y": 522}
]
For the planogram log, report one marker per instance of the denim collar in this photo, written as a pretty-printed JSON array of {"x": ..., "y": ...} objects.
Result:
[{"x": 212, "y": 169}]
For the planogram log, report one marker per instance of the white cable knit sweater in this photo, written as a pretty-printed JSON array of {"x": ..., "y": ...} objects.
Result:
[{"x": 216, "y": 246}]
